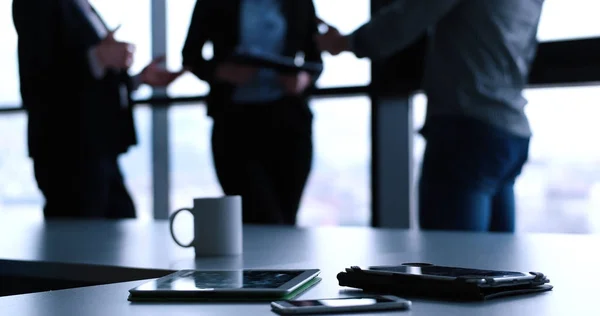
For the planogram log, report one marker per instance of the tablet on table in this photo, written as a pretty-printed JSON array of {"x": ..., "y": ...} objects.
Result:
[{"x": 227, "y": 285}]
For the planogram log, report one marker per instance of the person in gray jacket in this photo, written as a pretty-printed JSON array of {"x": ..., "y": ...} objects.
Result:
[{"x": 477, "y": 63}]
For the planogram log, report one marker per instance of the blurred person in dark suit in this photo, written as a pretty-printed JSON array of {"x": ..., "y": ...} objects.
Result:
[
  {"x": 477, "y": 63},
  {"x": 262, "y": 132},
  {"x": 76, "y": 91}
]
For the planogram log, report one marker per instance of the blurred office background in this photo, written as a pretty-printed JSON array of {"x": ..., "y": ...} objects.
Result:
[{"x": 559, "y": 190}]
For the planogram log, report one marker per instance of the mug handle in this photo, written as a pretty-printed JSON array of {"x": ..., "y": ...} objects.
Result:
[{"x": 172, "y": 220}]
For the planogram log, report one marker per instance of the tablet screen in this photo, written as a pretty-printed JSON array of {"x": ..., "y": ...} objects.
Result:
[{"x": 208, "y": 280}]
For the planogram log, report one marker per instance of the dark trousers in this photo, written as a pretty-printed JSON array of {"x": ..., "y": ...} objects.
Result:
[
  {"x": 84, "y": 188},
  {"x": 468, "y": 175},
  {"x": 263, "y": 152}
]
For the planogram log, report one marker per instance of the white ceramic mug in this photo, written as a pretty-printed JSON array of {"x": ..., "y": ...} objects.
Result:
[{"x": 217, "y": 226}]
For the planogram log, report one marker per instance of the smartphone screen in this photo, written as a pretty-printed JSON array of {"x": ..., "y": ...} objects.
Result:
[{"x": 341, "y": 302}]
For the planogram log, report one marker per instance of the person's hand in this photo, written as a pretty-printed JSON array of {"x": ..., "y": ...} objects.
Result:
[
  {"x": 234, "y": 73},
  {"x": 157, "y": 76},
  {"x": 114, "y": 54},
  {"x": 296, "y": 84},
  {"x": 331, "y": 41}
]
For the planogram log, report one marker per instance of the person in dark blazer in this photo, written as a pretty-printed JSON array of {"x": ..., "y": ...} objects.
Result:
[
  {"x": 76, "y": 91},
  {"x": 262, "y": 132}
]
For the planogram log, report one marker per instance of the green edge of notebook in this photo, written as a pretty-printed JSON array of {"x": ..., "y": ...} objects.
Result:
[{"x": 289, "y": 296}]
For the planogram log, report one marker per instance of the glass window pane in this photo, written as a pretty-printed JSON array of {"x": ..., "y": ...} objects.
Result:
[
  {"x": 136, "y": 164},
  {"x": 9, "y": 83},
  {"x": 179, "y": 14},
  {"x": 192, "y": 173},
  {"x": 559, "y": 189},
  {"x": 339, "y": 187},
  {"x": 344, "y": 69},
  {"x": 569, "y": 19},
  {"x": 18, "y": 190},
  {"x": 419, "y": 107},
  {"x": 338, "y": 191}
]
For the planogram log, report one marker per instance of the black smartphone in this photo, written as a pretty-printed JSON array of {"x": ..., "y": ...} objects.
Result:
[{"x": 341, "y": 305}]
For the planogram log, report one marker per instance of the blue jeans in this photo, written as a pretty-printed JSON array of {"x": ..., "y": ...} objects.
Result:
[{"x": 468, "y": 174}]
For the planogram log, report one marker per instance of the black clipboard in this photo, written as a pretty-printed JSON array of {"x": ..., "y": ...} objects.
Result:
[{"x": 279, "y": 63}]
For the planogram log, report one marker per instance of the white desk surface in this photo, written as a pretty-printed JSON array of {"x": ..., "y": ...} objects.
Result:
[{"x": 570, "y": 261}]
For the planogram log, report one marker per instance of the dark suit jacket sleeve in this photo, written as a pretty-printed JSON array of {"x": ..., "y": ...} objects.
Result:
[
  {"x": 311, "y": 50},
  {"x": 36, "y": 23},
  {"x": 198, "y": 34},
  {"x": 396, "y": 26}
]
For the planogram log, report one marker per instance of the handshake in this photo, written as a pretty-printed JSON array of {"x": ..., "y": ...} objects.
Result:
[
  {"x": 330, "y": 40},
  {"x": 117, "y": 55}
]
